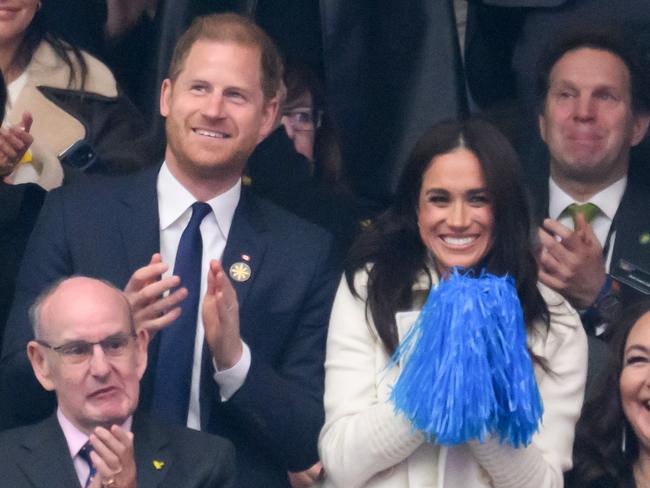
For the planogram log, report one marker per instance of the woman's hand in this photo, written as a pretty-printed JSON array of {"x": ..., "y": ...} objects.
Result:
[
  {"x": 14, "y": 142},
  {"x": 306, "y": 478}
]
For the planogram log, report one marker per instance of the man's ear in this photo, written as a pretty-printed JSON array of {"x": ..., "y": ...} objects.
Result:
[
  {"x": 269, "y": 118},
  {"x": 40, "y": 365},
  {"x": 141, "y": 345},
  {"x": 541, "y": 121},
  {"x": 165, "y": 97},
  {"x": 639, "y": 128}
]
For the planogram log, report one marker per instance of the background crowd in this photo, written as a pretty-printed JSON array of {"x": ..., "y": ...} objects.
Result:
[{"x": 335, "y": 140}]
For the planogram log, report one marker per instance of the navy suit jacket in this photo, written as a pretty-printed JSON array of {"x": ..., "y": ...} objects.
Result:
[
  {"x": 108, "y": 227},
  {"x": 37, "y": 456}
]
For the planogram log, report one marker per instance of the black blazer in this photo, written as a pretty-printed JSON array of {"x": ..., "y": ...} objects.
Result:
[
  {"x": 109, "y": 227},
  {"x": 631, "y": 221},
  {"x": 19, "y": 206},
  {"x": 37, "y": 456}
]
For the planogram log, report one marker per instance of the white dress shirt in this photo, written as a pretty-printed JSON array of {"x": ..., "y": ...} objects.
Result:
[
  {"x": 607, "y": 200},
  {"x": 174, "y": 210}
]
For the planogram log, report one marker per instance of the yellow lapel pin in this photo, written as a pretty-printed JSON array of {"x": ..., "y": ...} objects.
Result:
[
  {"x": 240, "y": 272},
  {"x": 158, "y": 464}
]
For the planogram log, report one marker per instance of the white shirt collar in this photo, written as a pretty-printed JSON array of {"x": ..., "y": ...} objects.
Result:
[
  {"x": 174, "y": 200},
  {"x": 607, "y": 200}
]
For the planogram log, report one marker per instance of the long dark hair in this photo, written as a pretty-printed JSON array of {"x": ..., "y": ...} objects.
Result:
[
  {"x": 598, "y": 458},
  {"x": 392, "y": 246},
  {"x": 37, "y": 32}
]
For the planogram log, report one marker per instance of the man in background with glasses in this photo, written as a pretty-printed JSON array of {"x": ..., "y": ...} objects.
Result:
[{"x": 87, "y": 350}]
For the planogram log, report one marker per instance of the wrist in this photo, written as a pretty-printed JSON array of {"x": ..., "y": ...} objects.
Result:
[
  {"x": 227, "y": 356},
  {"x": 604, "y": 291},
  {"x": 605, "y": 308}
]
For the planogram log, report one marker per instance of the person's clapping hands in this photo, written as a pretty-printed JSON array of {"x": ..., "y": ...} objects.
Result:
[
  {"x": 221, "y": 318},
  {"x": 112, "y": 456},
  {"x": 14, "y": 143},
  {"x": 571, "y": 262},
  {"x": 155, "y": 301}
]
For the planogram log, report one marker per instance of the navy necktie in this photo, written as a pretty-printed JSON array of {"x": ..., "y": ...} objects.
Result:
[
  {"x": 84, "y": 453},
  {"x": 173, "y": 376}
]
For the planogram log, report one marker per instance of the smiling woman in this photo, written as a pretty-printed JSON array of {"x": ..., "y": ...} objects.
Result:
[
  {"x": 454, "y": 211},
  {"x": 65, "y": 114},
  {"x": 460, "y": 203},
  {"x": 613, "y": 435}
]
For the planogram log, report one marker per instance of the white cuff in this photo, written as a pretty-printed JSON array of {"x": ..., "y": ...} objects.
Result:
[{"x": 230, "y": 380}]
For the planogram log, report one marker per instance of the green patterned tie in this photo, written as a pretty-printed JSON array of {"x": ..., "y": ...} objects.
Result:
[{"x": 589, "y": 210}]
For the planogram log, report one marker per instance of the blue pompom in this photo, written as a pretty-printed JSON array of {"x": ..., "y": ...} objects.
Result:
[{"x": 467, "y": 372}]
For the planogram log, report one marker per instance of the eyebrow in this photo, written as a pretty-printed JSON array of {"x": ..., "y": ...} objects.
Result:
[
  {"x": 565, "y": 83},
  {"x": 116, "y": 334},
  {"x": 470, "y": 192},
  {"x": 636, "y": 347},
  {"x": 197, "y": 80}
]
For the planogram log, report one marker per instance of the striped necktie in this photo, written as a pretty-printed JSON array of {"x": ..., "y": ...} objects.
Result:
[{"x": 84, "y": 453}]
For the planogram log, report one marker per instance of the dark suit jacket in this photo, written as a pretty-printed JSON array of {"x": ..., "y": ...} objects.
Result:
[
  {"x": 109, "y": 227},
  {"x": 631, "y": 220},
  {"x": 631, "y": 223},
  {"x": 20, "y": 205},
  {"x": 37, "y": 456}
]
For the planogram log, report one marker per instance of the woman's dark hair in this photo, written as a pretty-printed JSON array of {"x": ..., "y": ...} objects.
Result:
[
  {"x": 37, "y": 32},
  {"x": 392, "y": 245},
  {"x": 598, "y": 458}
]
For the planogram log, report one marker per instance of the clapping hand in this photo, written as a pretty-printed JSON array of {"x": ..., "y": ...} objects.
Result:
[
  {"x": 146, "y": 290},
  {"x": 221, "y": 318},
  {"x": 572, "y": 265},
  {"x": 14, "y": 143},
  {"x": 113, "y": 459}
]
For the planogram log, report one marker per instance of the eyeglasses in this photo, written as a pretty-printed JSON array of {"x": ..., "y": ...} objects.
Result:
[
  {"x": 304, "y": 119},
  {"x": 77, "y": 352}
]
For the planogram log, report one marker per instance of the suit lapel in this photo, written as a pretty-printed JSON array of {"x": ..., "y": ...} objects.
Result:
[
  {"x": 137, "y": 216},
  {"x": 138, "y": 220},
  {"x": 628, "y": 223},
  {"x": 48, "y": 462},
  {"x": 245, "y": 245},
  {"x": 152, "y": 458}
]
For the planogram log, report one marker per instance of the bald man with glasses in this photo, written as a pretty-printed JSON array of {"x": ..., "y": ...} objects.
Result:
[{"x": 87, "y": 350}]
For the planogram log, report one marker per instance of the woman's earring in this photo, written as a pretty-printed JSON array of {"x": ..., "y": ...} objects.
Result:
[
  {"x": 624, "y": 439},
  {"x": 39, "y": 5}
]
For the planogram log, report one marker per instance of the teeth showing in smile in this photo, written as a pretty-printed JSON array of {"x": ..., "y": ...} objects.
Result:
[
  {"x": 208, "y": 133},
  {"x": 459, "y": 241}
]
